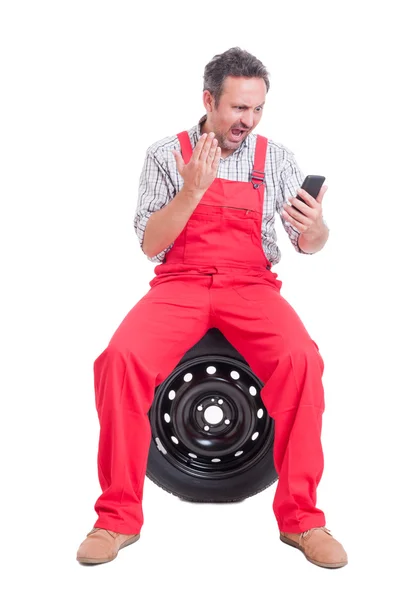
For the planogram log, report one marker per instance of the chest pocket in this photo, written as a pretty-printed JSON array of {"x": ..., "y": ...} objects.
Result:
[{"x": 218, "y": 236}]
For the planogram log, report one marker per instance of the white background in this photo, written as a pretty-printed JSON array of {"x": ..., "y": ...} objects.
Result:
[{"x": 86, "y": 87}]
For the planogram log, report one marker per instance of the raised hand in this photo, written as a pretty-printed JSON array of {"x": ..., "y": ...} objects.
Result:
[{"x": 199, "y": 173}]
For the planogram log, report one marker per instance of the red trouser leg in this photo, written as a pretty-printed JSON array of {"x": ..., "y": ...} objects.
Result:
[
  {"x": 265, "y": 329},
  {"x": 143, "y": 351}
]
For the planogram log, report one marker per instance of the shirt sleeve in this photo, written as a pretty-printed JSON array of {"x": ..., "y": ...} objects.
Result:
[
  {"x": 291, "y": 179},
  {"x": 155, "y": 191}
]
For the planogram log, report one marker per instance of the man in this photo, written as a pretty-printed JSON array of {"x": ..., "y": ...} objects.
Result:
[{"x": 206, "y": 210}]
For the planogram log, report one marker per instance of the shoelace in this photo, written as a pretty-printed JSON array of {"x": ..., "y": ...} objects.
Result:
[
  {"x": 305, "y": 533},
  {"x": 112, "y": 534}
]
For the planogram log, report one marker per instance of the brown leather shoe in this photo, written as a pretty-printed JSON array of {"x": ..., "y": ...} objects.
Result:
[
  {"x": 318, "y": 546},
  {"x": 102, "y": 545}
]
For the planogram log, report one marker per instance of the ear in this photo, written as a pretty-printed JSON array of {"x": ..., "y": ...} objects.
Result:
[{"x": 208, "y": 101}]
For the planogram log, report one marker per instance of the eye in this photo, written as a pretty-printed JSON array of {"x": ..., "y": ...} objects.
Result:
[{"x": 259, "y": 108}]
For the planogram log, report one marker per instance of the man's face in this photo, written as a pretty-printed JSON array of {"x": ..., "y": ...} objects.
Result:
[{"x": 238, "y": 113}]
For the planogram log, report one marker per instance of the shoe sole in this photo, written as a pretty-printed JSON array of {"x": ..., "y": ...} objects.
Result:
[
  {"x": 97, "y": 561},
  {"x": 294, "y": 544}
]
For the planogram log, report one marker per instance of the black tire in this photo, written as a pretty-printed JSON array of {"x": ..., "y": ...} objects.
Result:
[{"x": 223, "y": 463}]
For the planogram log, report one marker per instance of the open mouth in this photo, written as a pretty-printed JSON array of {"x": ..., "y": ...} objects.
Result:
[{"x": 237, "y": 134}]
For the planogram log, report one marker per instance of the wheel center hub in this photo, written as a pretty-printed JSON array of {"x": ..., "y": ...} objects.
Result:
[{"x": 213, "y": 415}]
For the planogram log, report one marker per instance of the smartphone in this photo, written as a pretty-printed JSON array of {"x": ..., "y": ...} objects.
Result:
[{"x": 312, "y": 184}]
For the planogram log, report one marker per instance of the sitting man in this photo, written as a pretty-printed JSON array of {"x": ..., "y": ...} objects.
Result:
[{"x": 206, "y": 213}]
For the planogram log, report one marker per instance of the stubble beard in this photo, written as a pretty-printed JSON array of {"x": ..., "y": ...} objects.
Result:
[{"x": 226, "y": 144}]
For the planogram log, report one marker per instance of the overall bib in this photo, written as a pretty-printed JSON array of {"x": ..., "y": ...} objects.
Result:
[{"x": 215, "y": 275}]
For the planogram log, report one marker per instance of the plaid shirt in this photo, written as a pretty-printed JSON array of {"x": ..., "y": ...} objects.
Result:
[{"x": 160, "y": 182}]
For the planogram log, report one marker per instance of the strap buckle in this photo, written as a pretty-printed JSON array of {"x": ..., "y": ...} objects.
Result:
[{"x": 259, "y": 176}]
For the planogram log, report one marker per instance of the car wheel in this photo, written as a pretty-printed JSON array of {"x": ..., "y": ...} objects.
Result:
[{"x": 212, "y": 438}]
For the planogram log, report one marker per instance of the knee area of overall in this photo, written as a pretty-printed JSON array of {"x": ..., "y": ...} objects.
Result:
[
  {"x": 307, "y": 352},
  {"x": 112, "y": 353}
]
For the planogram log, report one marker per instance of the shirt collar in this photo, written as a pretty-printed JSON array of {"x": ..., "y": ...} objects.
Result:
[{"x": 198, "y": 134}]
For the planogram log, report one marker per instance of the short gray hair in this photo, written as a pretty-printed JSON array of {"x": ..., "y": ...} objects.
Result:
[{"x": 234, "y": 62}]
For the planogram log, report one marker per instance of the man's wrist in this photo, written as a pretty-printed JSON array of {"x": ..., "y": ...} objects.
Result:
[
  {"x": 192, "y": 194},
  {"x": 312, "y": 242}
]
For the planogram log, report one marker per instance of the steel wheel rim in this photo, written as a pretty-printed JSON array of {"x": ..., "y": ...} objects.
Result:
[{"x": 208, "y": 418}]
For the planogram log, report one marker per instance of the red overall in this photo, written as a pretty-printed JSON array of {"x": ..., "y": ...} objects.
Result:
[{"x": 215, "y": 275}]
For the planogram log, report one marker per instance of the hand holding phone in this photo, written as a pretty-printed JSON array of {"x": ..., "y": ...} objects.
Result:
[{"x": 312, "y": 184}]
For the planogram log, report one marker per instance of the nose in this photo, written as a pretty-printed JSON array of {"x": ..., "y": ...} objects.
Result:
[{"x": 248, "y": 120}]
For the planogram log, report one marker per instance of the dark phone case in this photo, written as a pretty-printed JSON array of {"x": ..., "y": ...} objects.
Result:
[{"x": 312, "y": 184}]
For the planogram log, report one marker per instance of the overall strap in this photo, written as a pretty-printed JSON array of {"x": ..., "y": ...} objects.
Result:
[
  {"x": 258, "y": 174},
  {"x": 186, "y": 146}
]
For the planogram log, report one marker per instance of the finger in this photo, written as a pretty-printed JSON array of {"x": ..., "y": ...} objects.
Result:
[
  {"x": 206, "y": 146},
  {"x": 179, "y": 160},
  {"x": 199, "y": 146},
  {"x": 294, "y": 222},
  {"x": 321, "y": 193},
  {"x": 301, "y": 206},
  {"x": 212, "y": 151},
  {"x": 306, "y": 197},
  {"x": 301, "y": 228},
  {"x": 295, "y": 215},
  {"x": 216, "y": 160}
]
